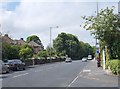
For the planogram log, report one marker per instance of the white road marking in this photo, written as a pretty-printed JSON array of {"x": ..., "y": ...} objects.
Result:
[
  {"x": 20, "y": 75},
  {"x": 1, "y": 80},
  {"x": 50, "y": 68},
  {"x": 73, "y": 81},
  {"x": 20, "y": 72},
  {"x": 78, "y": 77},
  {"x": 38, "y": 70},
  {"x": 86, "y": 70}
]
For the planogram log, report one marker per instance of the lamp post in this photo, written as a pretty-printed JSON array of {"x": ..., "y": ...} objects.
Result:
[
  {"x": 51, "y": 42},
  {"x": 119, "y": 8}
]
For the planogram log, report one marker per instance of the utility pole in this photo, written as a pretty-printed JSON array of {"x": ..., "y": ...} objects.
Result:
[
  {"x": 51, "y": 42},
  {"x": 98, "y": 46},
  {"x": 119, "y": 7}
]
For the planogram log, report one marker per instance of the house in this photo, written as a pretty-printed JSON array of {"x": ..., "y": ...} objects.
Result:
[
  {"x": 7, "y": 39},
  {"x": 36, "y": 47},
  {"x": 20, "y": 42}
]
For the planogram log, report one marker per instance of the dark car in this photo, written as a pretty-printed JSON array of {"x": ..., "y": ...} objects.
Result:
[{"x": 15, "y": 64}]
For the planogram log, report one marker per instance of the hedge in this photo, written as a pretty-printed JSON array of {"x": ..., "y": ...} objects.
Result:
[{"x": 115, "y": 66}]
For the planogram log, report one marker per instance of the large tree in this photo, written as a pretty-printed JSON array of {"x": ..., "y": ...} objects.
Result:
[
  {"x": 68, "y": 44},
  {"x": 10, "y": 51},
  {"x": 106, "y": 27}
]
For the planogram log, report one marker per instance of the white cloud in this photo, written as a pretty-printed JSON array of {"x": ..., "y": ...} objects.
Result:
[{"x": 37, "y": 18}]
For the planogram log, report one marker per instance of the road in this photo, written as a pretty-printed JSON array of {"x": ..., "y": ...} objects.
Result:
[{"x": 51, "y": 75}]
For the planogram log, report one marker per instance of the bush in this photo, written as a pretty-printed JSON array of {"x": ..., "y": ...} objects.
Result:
[{"x": 115, "y": 66}]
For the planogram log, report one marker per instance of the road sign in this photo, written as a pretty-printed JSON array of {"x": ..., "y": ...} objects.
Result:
[{"x": 97, "y": 51}]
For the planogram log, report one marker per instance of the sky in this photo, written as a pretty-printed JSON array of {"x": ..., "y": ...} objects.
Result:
[{"x": 23, "y": 18}]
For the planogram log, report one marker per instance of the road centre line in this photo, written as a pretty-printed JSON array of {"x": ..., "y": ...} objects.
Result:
[
  {"x": 1, "y": 80},
  {"x": 38, "y": 70},
  {"x": 20, "y": 72},
  {"x": 20, "y": 75}
]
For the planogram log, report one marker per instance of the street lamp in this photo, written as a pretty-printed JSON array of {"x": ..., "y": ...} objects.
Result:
[
  {"x": 51, "y": 42},
  {"x": 119, "y": 8}
]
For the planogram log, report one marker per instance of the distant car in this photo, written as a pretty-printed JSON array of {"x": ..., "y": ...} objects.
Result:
[
  {"x": 84, "y": 59},
  {"x": 68, "y": 60},
  {"x": 89, "y": 57},
  {"x": 16, "y": 64},
  {"x": 3, "y": 67}
]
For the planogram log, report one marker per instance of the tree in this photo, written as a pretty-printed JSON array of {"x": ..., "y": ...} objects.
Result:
[
  {"x": 67, "y": 44},
  {"x": 43, "y": 53},
  {"x": 53, "y": 53},
  {"x": 26, "y": 51},
  {"x": 10, "y": 51},
  {"x": 106, "y": 27}
]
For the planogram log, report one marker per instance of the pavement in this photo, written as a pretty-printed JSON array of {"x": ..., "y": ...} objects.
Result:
[{"x": 96, "y": 76}]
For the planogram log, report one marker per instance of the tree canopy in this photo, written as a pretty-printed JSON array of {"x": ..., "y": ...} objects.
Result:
[
  {"x": 68, "y": 44},
  {"x": 26, "y": 51},
  {"x": 106, "y": 27}
]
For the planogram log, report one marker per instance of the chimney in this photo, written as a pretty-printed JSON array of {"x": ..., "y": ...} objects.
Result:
[{"x": 21, "y": 39}]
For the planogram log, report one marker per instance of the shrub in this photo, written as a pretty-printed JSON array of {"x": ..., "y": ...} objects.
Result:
[{"x": 115, "y": 66}]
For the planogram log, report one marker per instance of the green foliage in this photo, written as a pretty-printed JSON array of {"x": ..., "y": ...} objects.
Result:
[
  {"x": 105, "y": 26},
  {"x": 68, "y": 44},
  {"x": 26, "y": 51},
  {"x": 53, "y": 53},
  {"x": 43, "y": 53},
  {"x": 10, "y": 51},
  {"x": 115, "y": 66},
  {"x": 33, "y": 38}
]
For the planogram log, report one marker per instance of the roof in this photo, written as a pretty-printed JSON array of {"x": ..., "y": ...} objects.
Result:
[
  {"x": 20, "y": 42},
  {"x": 32, "y": 43},
  {"x": 7, "y": 39}
]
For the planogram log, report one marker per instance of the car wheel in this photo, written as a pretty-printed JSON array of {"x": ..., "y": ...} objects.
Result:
[
  {"x": 24, "y": 68},
  {"x": 7, "y": 71}
]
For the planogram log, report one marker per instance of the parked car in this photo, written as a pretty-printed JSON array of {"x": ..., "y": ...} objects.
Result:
[
  {"x": 3, "y": 68},
  {"x": 89, "y": 57},
  {"x": 84, "y": 59},
  {"x": 68, "y": 60},
  {"x": 16, "y": 64}
]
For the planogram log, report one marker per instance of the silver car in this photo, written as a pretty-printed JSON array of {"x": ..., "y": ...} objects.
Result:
[
  {"x": 3, "y": 67},
  {"x": 68, "y": 60},
  {"x": 84, "y": 59}
]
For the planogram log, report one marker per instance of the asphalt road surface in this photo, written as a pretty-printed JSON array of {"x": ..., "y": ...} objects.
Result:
[{"x": 49, "y": 75}]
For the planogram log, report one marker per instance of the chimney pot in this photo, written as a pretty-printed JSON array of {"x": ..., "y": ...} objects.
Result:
[{"x": 21, "y": 38}]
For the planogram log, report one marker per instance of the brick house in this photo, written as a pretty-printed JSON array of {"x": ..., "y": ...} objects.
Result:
[
  {"x": 7, "y": 39},
  {"x": 20, "y": 42},
  {"x": 37, "y": 46}
]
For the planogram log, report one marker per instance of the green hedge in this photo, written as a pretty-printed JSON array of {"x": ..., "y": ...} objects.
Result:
[{"x": 115, "y": 66}]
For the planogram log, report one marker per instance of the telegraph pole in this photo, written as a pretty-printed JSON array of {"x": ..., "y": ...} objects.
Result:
[
  {"x": 98, "y": 46},
  {"x": 51, "y": 42}
]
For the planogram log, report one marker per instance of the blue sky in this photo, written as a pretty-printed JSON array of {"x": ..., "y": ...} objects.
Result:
[
  {"x": 23, "y": 18},
  {"x": 10, "y": 6}
]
